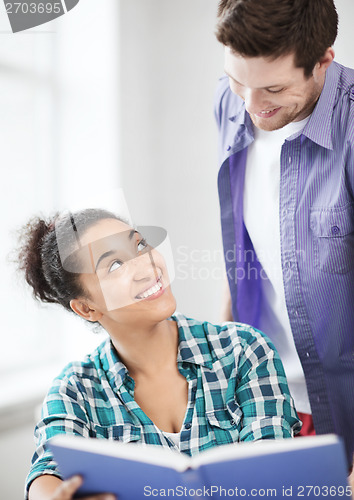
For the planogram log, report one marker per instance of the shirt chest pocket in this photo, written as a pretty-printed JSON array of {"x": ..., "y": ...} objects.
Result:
[
  {"x": 225, "y": 424},
  {"x": 126, "y": 433},
  {"x": 333, "y": 239}
]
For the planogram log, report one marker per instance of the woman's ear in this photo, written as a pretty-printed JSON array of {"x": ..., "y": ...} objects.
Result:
[{"x": 81, "y": 308}]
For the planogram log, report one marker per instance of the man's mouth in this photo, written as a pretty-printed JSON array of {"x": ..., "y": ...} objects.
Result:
[
  {"x": 267, "y": 113},
  {"x": 156, "y": 287}
]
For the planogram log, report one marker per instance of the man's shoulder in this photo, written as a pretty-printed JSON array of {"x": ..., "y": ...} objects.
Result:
[
  {"x": 332, "y": 122},
  {"x": 344, "y": 102},
  {"x": 222, "y": 89},
  {"x": 345, "y": 76},
  {"x": 345, "y": 86},
  {"x": 226, "y": 103}
]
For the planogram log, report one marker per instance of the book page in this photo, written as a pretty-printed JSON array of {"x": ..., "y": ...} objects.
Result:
[
  {"x": 130, "y": 451},
  {"x": 241, "y": 450}
]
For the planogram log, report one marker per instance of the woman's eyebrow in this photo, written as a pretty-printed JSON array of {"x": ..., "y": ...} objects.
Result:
[
  {"x": 132, "y": 232},
  {"x": 110, "y": 252},
  {"x": 103, "y": 256}
]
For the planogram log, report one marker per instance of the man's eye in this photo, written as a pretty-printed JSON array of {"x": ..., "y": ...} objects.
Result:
[
  {"x": 142, "y": 245},
  {"x": 275, "y": 91},
  {"x": 115, "y": 265}
]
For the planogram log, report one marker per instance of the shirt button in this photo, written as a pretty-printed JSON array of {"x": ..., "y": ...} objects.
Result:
[
  {"x": 307, "y": 354},
  {"x": 335, "y": 230},
  {"x": 188, "y": 425},
  {"x": 228, "y": 148},
  {"x": 232, "y": 422},
  {"x": 290, "y": 159}
]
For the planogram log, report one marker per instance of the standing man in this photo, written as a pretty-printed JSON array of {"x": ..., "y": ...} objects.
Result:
[{"x": 285, "y": 113}]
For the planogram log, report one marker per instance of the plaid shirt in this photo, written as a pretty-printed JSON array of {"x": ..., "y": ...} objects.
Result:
[{"x": 237, "y": 391}]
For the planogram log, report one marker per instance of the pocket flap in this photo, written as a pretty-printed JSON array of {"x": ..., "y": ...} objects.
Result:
[
  {"x": 125, "y": 433},
  {"x": 333, "y": 223},
  {"x": 224, "y": 418}
]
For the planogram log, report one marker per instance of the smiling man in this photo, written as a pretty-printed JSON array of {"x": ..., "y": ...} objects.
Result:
[
  {"x": 285, "y": 112},
  {"x": 275, "y": 92}
]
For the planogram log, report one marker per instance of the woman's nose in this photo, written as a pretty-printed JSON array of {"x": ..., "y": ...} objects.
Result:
[{"x": 144, "y": 267}]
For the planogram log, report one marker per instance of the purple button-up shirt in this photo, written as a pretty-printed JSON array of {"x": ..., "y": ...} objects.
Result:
[{"x": 317, "y": 241}]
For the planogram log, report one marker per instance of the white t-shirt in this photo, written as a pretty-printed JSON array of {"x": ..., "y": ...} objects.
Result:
[
  {"x": 174, "y": 436},
  {"x": 261, "y": 217}
]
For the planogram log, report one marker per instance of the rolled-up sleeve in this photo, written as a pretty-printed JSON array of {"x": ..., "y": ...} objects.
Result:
[
  {"x": 63, "y": 412},
  {"x": 263, "y": 392}
]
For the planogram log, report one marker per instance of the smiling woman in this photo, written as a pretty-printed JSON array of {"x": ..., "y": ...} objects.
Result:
[{"x": 160, "y": 378}]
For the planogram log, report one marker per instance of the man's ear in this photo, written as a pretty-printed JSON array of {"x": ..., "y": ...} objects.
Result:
[
  {"x": 81, "y": 308},
  {"x": 325, "y": 60}
]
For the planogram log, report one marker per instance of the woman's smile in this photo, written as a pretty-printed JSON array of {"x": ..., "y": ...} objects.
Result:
[
  {"x": 127, "y": 272},
  {"x": 154, "y": 291}
]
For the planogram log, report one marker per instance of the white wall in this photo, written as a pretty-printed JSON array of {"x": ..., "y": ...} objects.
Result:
[
  {"x": 345, "y": 41},
  {"x": 170, "y": 63},
  {"x": 65, "y": 72},
  {"x": 16, "y": 449},
  {"x": 158, "y": 47}
]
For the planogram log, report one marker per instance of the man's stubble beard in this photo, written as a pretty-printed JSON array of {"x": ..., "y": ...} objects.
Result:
[{"x": 282, "y": 121}]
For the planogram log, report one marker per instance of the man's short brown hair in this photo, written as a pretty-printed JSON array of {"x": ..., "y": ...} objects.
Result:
[{"x": 274, "y": 28}]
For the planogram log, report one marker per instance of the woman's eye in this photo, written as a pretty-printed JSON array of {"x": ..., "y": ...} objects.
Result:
[
  {"x": 141, "y": 245},
  {"x": 115, "y": 265}
]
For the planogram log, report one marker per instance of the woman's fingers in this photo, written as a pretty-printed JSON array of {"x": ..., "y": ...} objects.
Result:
[
  {"x": 102, "y": 496},
  {"x": 67, "y": 489}
]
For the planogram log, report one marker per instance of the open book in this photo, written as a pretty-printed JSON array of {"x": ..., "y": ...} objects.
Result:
[{"x": 311, "y": 467}]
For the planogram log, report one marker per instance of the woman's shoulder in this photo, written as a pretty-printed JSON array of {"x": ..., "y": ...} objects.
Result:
[
  {"x": 90, "y": 368},
  {"x": 224, "y": 337}
]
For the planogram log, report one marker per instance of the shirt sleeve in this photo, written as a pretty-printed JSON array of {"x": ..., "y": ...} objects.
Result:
[
  {"x": 63, "y": 412},
  {"x": 263, "y": 392},
  {"x": 221, "y": 103},
  {"x": 221, "y": 88}
]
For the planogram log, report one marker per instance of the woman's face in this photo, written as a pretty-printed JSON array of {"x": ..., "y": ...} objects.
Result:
[{"x": 124, "y": 273}]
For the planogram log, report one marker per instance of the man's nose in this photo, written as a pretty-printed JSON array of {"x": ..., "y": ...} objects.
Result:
[{"x": 254, "y": 100}]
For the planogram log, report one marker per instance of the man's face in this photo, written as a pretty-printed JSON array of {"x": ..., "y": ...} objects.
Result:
[{"x": 275, "y": 91}]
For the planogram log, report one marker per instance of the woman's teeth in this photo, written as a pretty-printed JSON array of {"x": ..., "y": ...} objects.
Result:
[{"x": 150, "y": 291}]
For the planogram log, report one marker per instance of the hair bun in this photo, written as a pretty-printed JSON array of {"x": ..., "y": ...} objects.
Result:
[
  {"x": 39, "y": 258},
  {"x": 32, "y": 238}
]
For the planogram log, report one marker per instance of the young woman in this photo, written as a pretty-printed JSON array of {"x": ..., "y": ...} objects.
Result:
[{"x": 159, "y": 378}]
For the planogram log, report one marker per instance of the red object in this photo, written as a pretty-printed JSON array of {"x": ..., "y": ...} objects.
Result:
[{"x": 307, "y": 428}]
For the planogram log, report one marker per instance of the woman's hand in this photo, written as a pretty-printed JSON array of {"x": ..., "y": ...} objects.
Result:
[
  {"x": 351, "y": 481},
  {"x": 67, "y": 489},
  {"x": 49, "y": 487}
]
